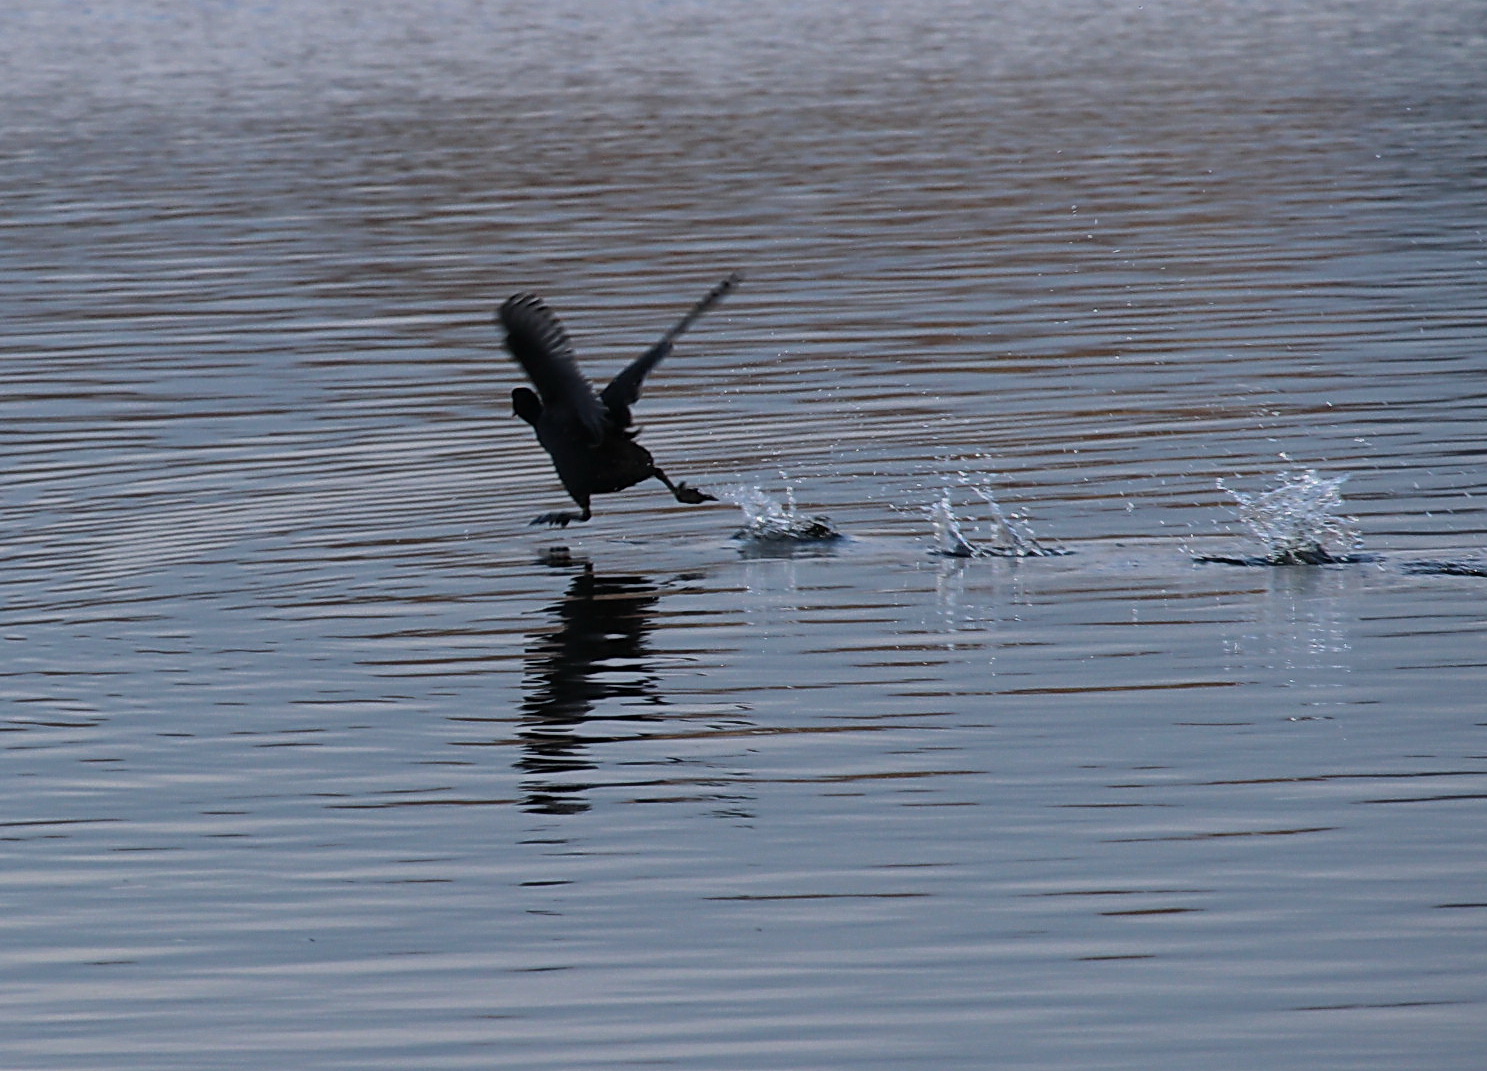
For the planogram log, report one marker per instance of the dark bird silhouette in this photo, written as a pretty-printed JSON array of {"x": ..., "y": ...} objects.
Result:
[{"x": 587, "y": 434}]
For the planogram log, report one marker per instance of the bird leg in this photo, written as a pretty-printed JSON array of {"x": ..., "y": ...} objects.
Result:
[{"x": 680, "y": 491}]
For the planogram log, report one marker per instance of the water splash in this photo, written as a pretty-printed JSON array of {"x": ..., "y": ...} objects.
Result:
[
  {"x": 950, "y": 541},
  {"x": 1299, "y": 521},
  {"x": 1010, "y": 535},
  {"x": 772, "y": 522}
]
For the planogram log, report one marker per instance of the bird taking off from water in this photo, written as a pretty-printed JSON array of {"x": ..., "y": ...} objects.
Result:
[{"x": 587, "y": 433}]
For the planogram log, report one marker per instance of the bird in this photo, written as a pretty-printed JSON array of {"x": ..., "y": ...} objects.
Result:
[{"x": 588, "y": 434}]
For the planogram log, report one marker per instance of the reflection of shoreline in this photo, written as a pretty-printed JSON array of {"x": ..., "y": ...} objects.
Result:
[{"x": 596, "y": 651}]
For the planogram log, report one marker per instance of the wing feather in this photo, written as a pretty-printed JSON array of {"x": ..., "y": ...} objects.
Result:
[
  {"x": 624, "y": 389},
  {"x": 539, "y": 344}
]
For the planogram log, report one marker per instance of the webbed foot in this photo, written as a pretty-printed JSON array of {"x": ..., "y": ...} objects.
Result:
[
  {"x": 690, "y": 495},
  {"x": 558, "y": 519}
]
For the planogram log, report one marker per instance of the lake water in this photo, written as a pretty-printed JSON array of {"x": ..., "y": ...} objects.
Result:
[{"x": 316, "y": 756}]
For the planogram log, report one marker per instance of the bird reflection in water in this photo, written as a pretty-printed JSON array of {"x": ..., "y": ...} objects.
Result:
[{"x": 596, "y": 652}]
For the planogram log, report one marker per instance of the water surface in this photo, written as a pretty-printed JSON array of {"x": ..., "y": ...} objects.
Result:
[{"x": 316, "y": 755}]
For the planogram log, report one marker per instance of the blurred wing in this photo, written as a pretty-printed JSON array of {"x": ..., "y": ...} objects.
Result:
[
  {"x": 540, "y": 345},
  {"x": 624, "y": 389}
]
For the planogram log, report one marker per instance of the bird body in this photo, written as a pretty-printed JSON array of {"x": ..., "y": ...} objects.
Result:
[{"x": 588, "y": 434}]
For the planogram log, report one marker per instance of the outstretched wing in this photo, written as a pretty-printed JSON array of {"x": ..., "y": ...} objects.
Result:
[
  {"x": 624, "y": 388},
  {"x": 540, "y": 345}
]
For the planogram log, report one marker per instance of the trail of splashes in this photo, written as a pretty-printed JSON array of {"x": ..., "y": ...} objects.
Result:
[
  {"x": 1299, "y": 520},
  {"x": 1010, "y": 537}
]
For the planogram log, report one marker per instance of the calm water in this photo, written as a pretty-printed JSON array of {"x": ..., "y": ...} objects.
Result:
[{"x": 316, "y": 756}]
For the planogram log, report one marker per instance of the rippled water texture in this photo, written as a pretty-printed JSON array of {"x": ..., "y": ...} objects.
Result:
[{"x": 315, "y": 756}]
